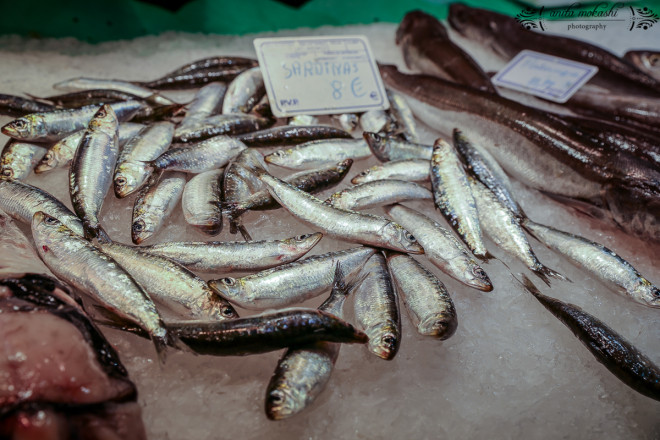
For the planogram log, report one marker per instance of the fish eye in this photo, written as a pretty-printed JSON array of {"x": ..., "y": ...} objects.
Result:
[
  {"x": 50, "y": 220},
  {"x": 138, "y": 226},
  {"x": 8, "y": 172},
  {"x": 275, "y": 398},
  {"x": 279, "y": 153},
  {"x": 228, "y": 311},
  {"x": 48, "y": 156},
  {"x": 302, "y": 237},
  {"x": 120, "y": 181},
  {"x": 654, "y": 60},
  {"x": 388, "y": 340},
  {"x": 478, "y": 272},
  {"x": 101, "y": 113},
  {"x": 364, "y": 173},
  {"x": 228, "y": 281},
  {"x": 410, "y": 237},
  {"x": 19, "y": 123}
]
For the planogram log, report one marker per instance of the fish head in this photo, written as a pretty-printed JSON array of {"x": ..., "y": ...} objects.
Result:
[
  {"x": 344, "y": 166},
  {"x": 104, "y": 120},
  {"x": 300, "y": 243},
  {"x": 141, "y": 230},
  {"x": 46, "y": 229},
  {"x": 377, "y": 145},
  {"x": 384, "y": 340},
  {"x": 364, "y": 176},
  {"x": 227, "y": 287},
  {"x": 440, "y": 325},
  {"x": 646, "y": 293},
  {"x": 477, "y": 277},
  {"x": 50, "y": 161},
  {"x": 283, "y": 401},
  {"x": 281, "y": 157},
  {"x": 473, "y": 23},
  {"x": 125, "y": 181},
  {"x": 400, "y": 239},
  {"x": 420, "y": 23},
  {"x": 221, "y": 309},
  {"x": 27, "y": 127}
]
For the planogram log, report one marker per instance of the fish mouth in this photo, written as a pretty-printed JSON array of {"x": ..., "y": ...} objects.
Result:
[
  {"x": 10, "y": 131},
  {"x": 386, "y": 346}
]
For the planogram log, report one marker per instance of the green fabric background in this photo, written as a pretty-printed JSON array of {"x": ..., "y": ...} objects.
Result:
[{"x": 95, "y": 21}]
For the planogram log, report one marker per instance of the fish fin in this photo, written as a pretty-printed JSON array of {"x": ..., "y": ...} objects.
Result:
[
  {"x": 587, "y": 207},
  {"x": 112, "y": 320},
  {"x": 486, "y": 257},
  {"x": 241, "y": 228}
]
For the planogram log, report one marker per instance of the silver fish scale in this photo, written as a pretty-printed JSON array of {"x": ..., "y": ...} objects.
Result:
[
  {"x": 319, "y": 153},
  {"x": 244, "y": 92},
  {"x": 18, "y": 159},
  {"x": 378, "y": 193},
  {"x": 414, "y": 170},
  {"x": 154, "y": 205},
  {"x": 201, "y": 202},
  {"x": 207, "y": 101},
  {"x": 207, "y": 155},
  {"x": 403, "y": 116}
]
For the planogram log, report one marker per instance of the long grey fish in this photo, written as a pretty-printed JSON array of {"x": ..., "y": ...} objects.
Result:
[
  {"x": 154, "y": 204},
  {"x": 376, "y": 308},
  {"x": 83, "y": 83},
  {"x": 503, "y": 228},
  {"x": 221, "y": 124},
  {"x": 168, "y": 282},
  {"x": 429, "y": 305},
  {"x": 403, "y": 116},
  {"x": 77, "y": 262},
  {"x": 351, "y": 226},
  {"x": 303, "y": 372},
  {"x": 90, "y": 174},
  {"x": 378, "y": 193},
  {"x": 21, "y": 201},
  {"x": 207, "y": 155},
  {"x": 290, "y": 135},
  {"x": 291, "y": 283},
  {"x": 453, "y": 197},
  {"x": 217, "y": 256},
  {"x": 17, "y": 106},
  {"x": 605, "y": 264},
  {"x": 206, "y": 102},
  {"x": 387, "y": 148},
  {"x": 611, "y": 349},
  {"x": 55, "y": 125},
  {"x": 18, "y": 159},
  {"x": 61, "y": 153},
  {"x": 201, "y": 202},
  {"x": 413, "y": 170},
  {"x": 484, "y": 167},
  {"x": 319, "y": 153},
  {"x": 132, "y": 171},
  {"x": 441, "y": 247},
  {"x": 244, "y": 92}
]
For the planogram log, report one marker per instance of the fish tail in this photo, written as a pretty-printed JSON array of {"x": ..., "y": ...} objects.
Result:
[
  {"x": 544, "y": 272},
  {"x": 485, "y": 258},
  {"x": 241, "y": 228},
  {"x": 528, "y": 285},
  {"x": 102, "y": 236},
  {"x": 161, "y": 343}
]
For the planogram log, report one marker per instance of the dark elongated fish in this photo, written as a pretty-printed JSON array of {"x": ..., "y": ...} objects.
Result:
[
  {"x": 193, "y": 79},
  {"x": 16, "y": 106},
  {"x": 610, "y": 349},
  {"x": 290, "y": 135},
  {"x": 426, "y": 47},
  {"x": 219, "y": 63},
  {"x": 88, "y": 97}
]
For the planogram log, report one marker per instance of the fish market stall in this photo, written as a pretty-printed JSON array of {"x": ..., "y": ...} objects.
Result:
[{"x": 510, "y": 370}]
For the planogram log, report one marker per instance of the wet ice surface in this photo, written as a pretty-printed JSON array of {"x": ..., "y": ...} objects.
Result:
[{"x": 511, "y": 370}]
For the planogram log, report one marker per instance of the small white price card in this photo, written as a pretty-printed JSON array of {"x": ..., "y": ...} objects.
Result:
[
  {"x": 320, "y": 75},
  {"x": 550, "y": 77}
]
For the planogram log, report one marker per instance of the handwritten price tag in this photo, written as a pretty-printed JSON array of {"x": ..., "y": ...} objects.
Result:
[
  {"x": 553, "y": 78},
  {"x": 320, "y": 75}
]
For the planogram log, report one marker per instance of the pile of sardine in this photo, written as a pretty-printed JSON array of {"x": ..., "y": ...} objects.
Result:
[{"x": 206, "y": 154}]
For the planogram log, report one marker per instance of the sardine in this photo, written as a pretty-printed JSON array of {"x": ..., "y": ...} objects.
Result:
[
  {"x": 319, "y": 153},
  {"x": 453, "y": 197},
  {"x": 387, "y": 148},
  {"x": 376, "y": 121},
  {"x": 413, "y": 170},
  {"x": 429, "y": 305},
  {"x": 221, "y": 124},
  {"x": 302, "y": 120},
  {"x": 350, "y": 226},
  {"x": 291, "y": 283},
  {"x": 605, "y": 264},
  {"x": 201, "y": 202},
  {"x": 376, "y": 309},
  {"x": 90, "y": 174},
  {"x": 170, "y": 283},
  {"x": 290, "y": 135},
  {"x": 195, "y": 74},
  {"x": 57, "y": 124},
  {"x": 214, "y": 63},
  {"x": 216, "y": 256},
  {"x": 62, "y": 152},
  {"x": 17, "y": 106},
  {"x": 83, "y": 83},
  {"x": 154, "y": 204},
  {"x": 77, "y": 262},
  {"x": 132, "y": 171},
  {"x": 21, "y": 201},
  {"x": 348, "y": 121},
  {"x": 485, "y": 168},
  {"x": 207, "y": 155},
  {"x": 244, "y": 92},
  {"x": 88, "y": 97},
  {"x": 502, "y": 227},
  {"x": 618, "y": 355},
  {"x": 378, "y": 193},
  {"x": 403, "y": 116},
  {"x": 646, "y": 60},
  {"x": 441, "y": 247},
  {"x": 18, "y": 159},
  {"x": 207, "y": 102}
]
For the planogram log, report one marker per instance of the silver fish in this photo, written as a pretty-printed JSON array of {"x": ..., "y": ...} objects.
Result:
[
  {"x": 441, "y": 247},
  {"x": 62, "y": 152},
  {"x": 377, "y": 310},
  {"x": 414, "y": 170},
  {"x": 201, "y": 202},
  {"x": 378, "y": 193},
  {"x": 83, "y": 83},
  {"x": 132, "y": 171},
  {"x": 216, "y": 256},
  {"x": 429, "y": 305},
  {"x": 55, "y": 125},
  {"x": 168, "y": 282},
  {"x": 291, "y": 283},
  {"x": 207, "y": 155},
  {"x": 605, "y": 264},
  {"x": 503, "y": 228},
  {"x": 154, "y": 205},
  {"x": 453, "y": 197},
  {"x": 207, "y": 102},
  {"x": 319, "y": 153},
  {"x": 90, "y": 175},
  {"x": 244, "y": 92},
  {"x": 21, "y": 201},
  {"x": 303, "y": 120},
  {"x": 387, "y": 148},
  {"x": 376, "y": 121},
  {"x": 348, "y": 121},
  {"x": 77, "y": 262},
  {"x": 221, "y": 124},
  {"x": 351, "y": 226},
  {"x": 402, "y": 115},
  {"x": 18, "y": 159}
]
